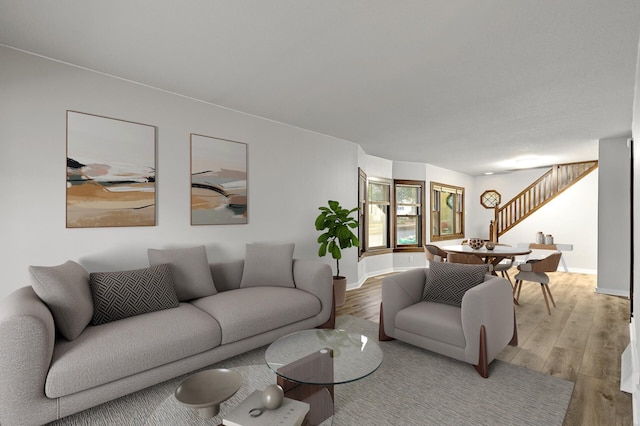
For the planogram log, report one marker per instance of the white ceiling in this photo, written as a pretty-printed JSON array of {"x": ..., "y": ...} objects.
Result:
[{"x": 461, "y": 84}]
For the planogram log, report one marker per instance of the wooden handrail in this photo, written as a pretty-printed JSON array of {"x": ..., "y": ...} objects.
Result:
[{"x": 546, "y": 188}]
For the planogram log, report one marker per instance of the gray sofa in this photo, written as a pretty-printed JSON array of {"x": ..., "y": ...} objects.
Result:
[{"x": 44, "y": 376}]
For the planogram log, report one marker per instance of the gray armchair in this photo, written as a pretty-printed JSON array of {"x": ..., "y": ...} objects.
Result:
[{"x": 474, "y": 332}]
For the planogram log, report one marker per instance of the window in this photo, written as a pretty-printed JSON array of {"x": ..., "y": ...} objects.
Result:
[
  {"x": 447, "y": 212},
  {"x": 409, "y": 225},
  {"x": 378, "y": 218},
  {"x": 362, "y": 208}
]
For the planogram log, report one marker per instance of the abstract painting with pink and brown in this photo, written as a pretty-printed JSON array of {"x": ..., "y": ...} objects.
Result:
[{"x": 110, "y": 172}]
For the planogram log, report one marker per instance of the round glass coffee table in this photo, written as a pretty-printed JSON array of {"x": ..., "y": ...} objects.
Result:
[{"x": 310, "y": 362}]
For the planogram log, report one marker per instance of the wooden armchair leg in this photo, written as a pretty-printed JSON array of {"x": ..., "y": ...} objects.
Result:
[
  {"x": 382, "y": 336},
  {"x": 483, "y": 365},
  {"x": 514, "y": 338}
]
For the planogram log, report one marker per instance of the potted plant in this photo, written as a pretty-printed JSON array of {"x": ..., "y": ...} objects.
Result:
[{"x": 336, "y": 223}]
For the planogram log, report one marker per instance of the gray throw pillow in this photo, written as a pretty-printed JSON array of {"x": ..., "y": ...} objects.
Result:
[
  {"x": 190, "y": 270},
  {"x": 448, "y": 282},
  {"x": 268, "y": 265},
  {"x": 123, "y": 294},
  {"x": 65, "y": 290}
]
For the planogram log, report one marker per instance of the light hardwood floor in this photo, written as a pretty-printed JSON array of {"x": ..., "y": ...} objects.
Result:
[{"x": 581, "y": 341}]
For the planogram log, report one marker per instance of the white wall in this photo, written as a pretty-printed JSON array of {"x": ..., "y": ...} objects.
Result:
[
  {"x": 614, "y": 217},
  {"x": 571, "y": 218},
  {"x": 291, "y": 173},
  {"x": 630, "y": 374}
]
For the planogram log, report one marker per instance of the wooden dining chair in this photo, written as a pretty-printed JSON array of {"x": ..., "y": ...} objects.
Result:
[
  {"x": 534, "y": 271},
  {"x": 504, "y": 266},
  {"x": 469, "y": 259},
  {"x": 435, "y": 253}
]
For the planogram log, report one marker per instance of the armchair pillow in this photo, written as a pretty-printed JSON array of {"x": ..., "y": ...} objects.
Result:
[
  {"x": 190, "y": 271},
  {"x": 65, "y": 290},
  {"x": 118, "y": 295},
  {"x": 268, "y": 265},
  {"x": 448, "y": 282}
]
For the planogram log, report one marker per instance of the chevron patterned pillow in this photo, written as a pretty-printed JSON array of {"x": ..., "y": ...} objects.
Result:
[
  {"x": 118, "y": 295},
  {"x": 448, "y": 282}
]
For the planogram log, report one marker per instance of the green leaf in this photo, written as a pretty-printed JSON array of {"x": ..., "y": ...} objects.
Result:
[
  {"x": 322, "y": 251},
  {"x": 323, "y": 237},
  {"x": 336, "y": 252},
  {"x": 334, "y": 205}
]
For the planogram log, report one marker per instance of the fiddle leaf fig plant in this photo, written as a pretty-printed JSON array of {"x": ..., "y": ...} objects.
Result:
[{"x": 336, "y": 223}]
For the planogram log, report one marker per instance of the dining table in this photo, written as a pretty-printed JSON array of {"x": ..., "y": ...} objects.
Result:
[{"x": 495, "y": 256}]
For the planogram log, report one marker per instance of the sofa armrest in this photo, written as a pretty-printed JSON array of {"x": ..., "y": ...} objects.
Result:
[
  {"x": 489, "y": 304},
  {"x": 27, "y": 336},
  {"x": 315, "y": 278},
  {"x": 398, "y": 292}
]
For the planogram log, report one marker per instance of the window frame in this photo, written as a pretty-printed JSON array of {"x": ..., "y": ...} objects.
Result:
[
  {"x": 389, "y": 225},
  {"x": 458, "y": 210},
  {"x": 420, "y": 217},
  {"x": 362, "y": 213}
]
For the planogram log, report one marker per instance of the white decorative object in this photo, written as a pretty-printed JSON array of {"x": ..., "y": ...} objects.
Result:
[
  {"x": 251, "y": 413},
  {"x": 539, "y": 238},
  {"x": 548, "y": 239},
  {"x": 272, "y": 397}
]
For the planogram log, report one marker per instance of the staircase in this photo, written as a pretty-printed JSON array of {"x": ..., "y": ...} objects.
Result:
[{"x": 559, "y": 178}]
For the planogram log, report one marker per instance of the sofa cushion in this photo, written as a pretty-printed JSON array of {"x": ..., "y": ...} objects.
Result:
[
  {"x": 189, "y": 268},
  {"x": 268, "y": 265},
  {"x": 448, "y": 282},
  {"x": 111, "y": 351},
  {"x": 435, "y": 321},
  {"x": 65, "y": 290},
  {"x": 247, "y": 312},
  {"x": 118, "y": 295}
]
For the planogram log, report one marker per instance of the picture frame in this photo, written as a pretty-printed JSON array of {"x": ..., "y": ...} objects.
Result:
[
  {"x": 218, "y": 181},
  {"x": 111, "y": 172}
]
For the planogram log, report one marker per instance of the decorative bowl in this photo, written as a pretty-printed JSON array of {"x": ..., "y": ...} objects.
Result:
[
  {"x": 476, "y": 243},
  {"x": 490, "y": 245}
]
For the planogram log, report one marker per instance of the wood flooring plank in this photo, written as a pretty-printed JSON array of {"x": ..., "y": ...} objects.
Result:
[
  {"x": 563, "y": 363},
  {"x": 576, "y": 331}
]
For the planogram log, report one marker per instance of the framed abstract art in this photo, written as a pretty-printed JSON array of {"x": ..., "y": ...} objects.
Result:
[
  {"x": 111, "y": 172},
  {"x": 218, "y": 181}
]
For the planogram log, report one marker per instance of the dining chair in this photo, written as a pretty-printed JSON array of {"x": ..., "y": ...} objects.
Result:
[
  {"x": 469, "y": 259},
  {"x": 435, "y": 253},
  {"x": 534, "y": 271},
  {"x": 504, "y": 266}
]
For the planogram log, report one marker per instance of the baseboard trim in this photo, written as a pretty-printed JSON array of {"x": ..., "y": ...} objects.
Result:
[
  {"x": 356, "y": 285},
  {"x": 612, "y": 292}
]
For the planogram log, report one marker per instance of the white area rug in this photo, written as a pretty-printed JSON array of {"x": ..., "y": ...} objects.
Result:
[{"x": 411, "y": 387}]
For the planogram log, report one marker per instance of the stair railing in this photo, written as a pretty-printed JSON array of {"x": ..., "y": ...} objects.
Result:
[{"x": 544, "y": 189}]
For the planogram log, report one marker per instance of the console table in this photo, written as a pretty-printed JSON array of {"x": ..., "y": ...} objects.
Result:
[{"x": 553, "y": 247}]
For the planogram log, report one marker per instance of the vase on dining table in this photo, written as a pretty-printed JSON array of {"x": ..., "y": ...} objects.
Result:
[{"x": 476, "y": 243}]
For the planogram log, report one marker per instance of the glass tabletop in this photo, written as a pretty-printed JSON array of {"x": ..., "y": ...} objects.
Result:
[{"x": 351, "y": 356}]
